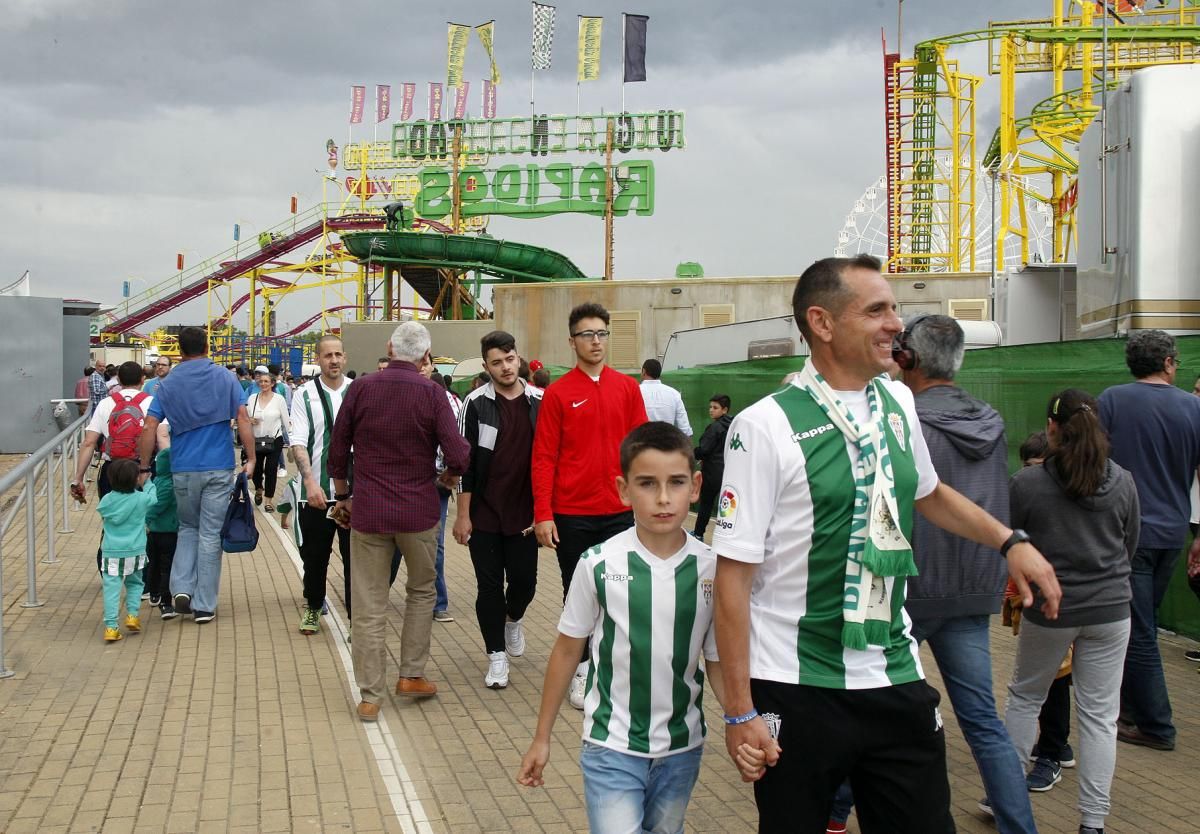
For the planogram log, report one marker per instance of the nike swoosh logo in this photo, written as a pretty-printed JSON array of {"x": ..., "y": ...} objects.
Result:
[{"x": 577, "y": 404}]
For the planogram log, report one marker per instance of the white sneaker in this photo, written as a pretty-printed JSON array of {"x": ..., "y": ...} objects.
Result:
[
  {"x": 514, "y": 638},
  {"x": 497, "y": 676},
  {"x": 577, "y": 691}
]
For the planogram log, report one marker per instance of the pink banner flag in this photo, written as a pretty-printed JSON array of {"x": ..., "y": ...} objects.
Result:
[
  {"x": 358, "y": 95},
  {"x": 383, "y": 101},
  {"x": 435, "y": 101},
  {"x": 460, "y": 99},
  {"x": 407, "y": 94},
  {"x": 489, "y": 99}
]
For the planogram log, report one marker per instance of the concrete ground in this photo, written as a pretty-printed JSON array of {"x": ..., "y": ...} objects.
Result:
[{"x": 246, "y": 725}]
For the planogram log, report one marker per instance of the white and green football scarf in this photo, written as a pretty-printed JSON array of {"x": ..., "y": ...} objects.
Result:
[{"x": 877, "y": 547}]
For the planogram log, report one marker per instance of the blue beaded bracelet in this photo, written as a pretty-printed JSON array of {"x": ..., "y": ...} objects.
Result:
[{"x": 741, "y": 719}]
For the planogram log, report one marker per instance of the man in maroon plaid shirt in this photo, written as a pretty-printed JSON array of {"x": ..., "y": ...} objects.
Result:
[{"x": 394, "y": 421}]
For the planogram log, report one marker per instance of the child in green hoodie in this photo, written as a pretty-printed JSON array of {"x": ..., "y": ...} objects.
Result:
[
  {"x": 123, "y": 550},
  {"x": 162, "y": 522}
]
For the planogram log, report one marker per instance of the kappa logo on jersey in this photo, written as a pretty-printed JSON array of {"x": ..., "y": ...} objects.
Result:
[
  {"x": 814, "y": 432},
  {"x": 706, "y": 587},
  {"x": 727, "y": 508},
  {"x": 897, "y": 424},
  {"x": 736, "y": 445},
  {"x": 616, "y": 577}
]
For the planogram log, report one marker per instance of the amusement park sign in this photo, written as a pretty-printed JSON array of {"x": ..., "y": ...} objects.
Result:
[
  {"x": 539, "y": 136},
  {"x": 532, "y": 191}
]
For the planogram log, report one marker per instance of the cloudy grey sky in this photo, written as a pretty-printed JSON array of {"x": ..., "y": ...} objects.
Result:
[{"x": 135, "y": 129}]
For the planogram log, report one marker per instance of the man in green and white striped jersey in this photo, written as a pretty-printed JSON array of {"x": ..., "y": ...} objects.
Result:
[
  {"x": 644, "y": 598},
  {"x": 814, "y": 521},
  {"x": 314, "y": 408}
]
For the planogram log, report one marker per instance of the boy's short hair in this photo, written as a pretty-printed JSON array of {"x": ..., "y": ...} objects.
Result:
[
  {"x": 587, "y": 310},
  {"x": 1035, "y": 446},
  {"x": 541, "y": 378},
  {"x": 123, "y": 474},
  {"x": 656, "y": 435},
  {"x": 721, "y": 400},
  {"x": 497, "y": 340}
]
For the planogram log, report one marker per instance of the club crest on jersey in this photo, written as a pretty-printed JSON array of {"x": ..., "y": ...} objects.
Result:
[
  {"x": 706, "y": 587},
  {"x": 727, "y": 508},
  {"x": 897, "y": 424},
  {"x": 774, "y": 723}
]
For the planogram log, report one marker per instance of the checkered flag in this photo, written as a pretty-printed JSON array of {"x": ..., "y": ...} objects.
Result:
[{"x": 543, "y": 35}]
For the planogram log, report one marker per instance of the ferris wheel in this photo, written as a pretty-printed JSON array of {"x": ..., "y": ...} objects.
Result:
[{"x": 865, "y": 229}]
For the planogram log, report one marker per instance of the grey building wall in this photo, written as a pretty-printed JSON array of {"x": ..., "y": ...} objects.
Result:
[
  {"x": 366, "y": 341},
  {"x": 31, "y": 342},
  {"x": 536, "y": 314},
  {"x": 76, "y": 342}
]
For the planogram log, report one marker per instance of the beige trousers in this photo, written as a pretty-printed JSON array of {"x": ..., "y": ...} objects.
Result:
[{"x": 371, "y": 560}]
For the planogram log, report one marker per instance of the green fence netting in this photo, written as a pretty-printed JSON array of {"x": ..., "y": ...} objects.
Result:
[{"x": 1017, "y": 381}]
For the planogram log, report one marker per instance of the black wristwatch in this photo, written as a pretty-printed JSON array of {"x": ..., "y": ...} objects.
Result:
[
  {"x": 1017, "y": 537},
  {"x": 345, "y": 496},
  {"x": 146, "y": 469}
]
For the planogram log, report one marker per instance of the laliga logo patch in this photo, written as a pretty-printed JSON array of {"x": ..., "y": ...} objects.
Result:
[
  {"x": 727, "y": 508},
  {"x": 706, "y": 586},
  {"x": 897, "y": 424}
]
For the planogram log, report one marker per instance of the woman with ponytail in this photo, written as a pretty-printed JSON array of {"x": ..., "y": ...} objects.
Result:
[{"x": 1081, "y": 511}]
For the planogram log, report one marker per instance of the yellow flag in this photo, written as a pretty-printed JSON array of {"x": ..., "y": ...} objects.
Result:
[
  {"x": 589, "y": 47},
  {"x": 458, "y": 37},
  {"x": 487, "y": 34}
]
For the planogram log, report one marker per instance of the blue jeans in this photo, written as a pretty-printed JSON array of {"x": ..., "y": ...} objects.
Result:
[
  {"x": 443, "y": 600},
  {"x": 1144, "y": 699},
  {"x": 960, "y": 647},
  {"x": 201, "y": 499},
  {"x": 843, "y": 803},
  {"x": 628, "y": 794}
]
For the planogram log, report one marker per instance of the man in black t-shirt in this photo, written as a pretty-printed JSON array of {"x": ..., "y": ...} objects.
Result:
[{"x": 495, "y": 507}]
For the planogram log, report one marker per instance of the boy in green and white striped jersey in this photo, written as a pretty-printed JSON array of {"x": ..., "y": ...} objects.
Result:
[{"x": 644, "y": 600}]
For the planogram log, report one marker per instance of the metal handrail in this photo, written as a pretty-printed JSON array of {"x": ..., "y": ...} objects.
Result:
[{"x": 64, "y": 445}]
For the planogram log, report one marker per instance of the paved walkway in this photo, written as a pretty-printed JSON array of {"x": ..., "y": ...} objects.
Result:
[{"x": 246, "y": 725}]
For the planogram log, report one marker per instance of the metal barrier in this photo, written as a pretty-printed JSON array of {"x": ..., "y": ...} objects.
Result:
[{"x": 59, "y": 453}]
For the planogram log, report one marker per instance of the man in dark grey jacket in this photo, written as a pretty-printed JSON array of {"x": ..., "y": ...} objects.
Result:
[
  {"x": 495, "y": 506},
  {"x": 961, "y": 583}
]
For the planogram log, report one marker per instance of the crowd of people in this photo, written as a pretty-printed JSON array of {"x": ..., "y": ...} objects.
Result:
[{"x": 862, "y": 509}]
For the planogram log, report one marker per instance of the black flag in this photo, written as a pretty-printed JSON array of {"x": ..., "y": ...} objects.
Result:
[{"x": 635, "y": 47}]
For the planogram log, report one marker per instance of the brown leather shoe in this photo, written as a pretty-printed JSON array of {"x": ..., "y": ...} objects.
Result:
[
  {"x": 368, "y": 711},
  {"x": 415, "y": 687}
]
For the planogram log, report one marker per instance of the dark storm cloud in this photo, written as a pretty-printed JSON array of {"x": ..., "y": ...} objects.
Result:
[
  {"x": 122, "y": 58},
  {"x": 178, "y": 119}
]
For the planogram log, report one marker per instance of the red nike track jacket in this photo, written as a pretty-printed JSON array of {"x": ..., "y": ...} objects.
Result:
[{"x": 576, "y": 448}]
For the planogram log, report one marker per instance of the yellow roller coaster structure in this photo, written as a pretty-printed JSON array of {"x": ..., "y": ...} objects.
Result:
[{"x": 930, "y": 115}]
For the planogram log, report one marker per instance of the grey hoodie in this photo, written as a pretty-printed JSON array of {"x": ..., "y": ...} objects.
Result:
[
  {"x": 959, "y": 578},
  {"x": 1089, "y": 541}
]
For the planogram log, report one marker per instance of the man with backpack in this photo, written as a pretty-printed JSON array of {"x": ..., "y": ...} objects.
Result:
[{"x": 118, "y": 418}]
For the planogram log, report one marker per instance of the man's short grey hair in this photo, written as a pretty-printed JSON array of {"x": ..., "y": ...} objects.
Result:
[
  {"x": 939, "y": 344},
  {"x": 410, "y": 341},
  {"x": 1147, "y": 351}
]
